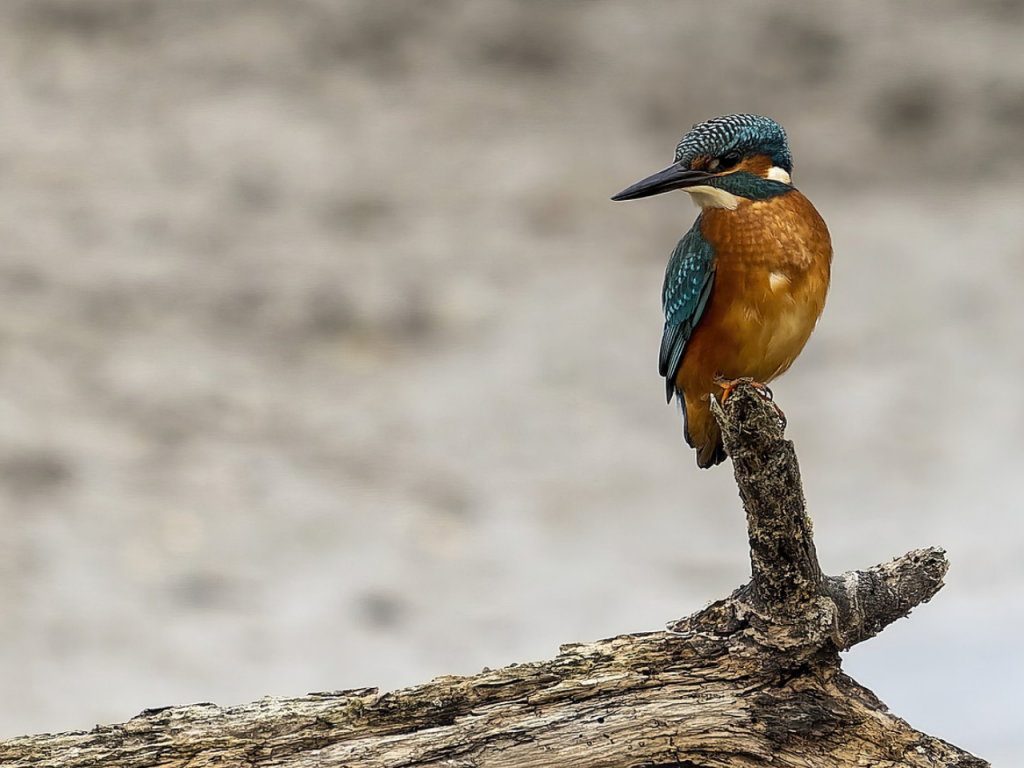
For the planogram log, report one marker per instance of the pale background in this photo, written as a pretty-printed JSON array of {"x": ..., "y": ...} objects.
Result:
[{"x": 325, "y": 360}]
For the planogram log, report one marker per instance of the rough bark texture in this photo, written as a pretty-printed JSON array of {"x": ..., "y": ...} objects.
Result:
[{"x": 752, "y": 680}]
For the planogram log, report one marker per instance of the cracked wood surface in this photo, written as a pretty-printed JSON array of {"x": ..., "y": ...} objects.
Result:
[
  {"x": 635, "y": 700},
  {"x": 751, "y": 680}
]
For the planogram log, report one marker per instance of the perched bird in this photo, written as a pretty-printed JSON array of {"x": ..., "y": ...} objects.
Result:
[{"x": 746, "y": 285}]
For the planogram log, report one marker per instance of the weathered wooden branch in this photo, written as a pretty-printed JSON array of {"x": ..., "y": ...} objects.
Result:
[{"x": 751, "y": 680}]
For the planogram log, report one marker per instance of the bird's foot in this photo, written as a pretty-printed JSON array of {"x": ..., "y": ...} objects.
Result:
[
  {"x": 730, "y": 386},
  {"x": 779, "y": 413}
]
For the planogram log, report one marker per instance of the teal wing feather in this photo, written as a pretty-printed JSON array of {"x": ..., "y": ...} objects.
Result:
[{"x": 688, "y": 282}]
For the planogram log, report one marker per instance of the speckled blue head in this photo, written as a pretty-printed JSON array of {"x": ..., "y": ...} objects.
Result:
[
  {"x": 746, "y": 134},
  {"x": 710, "y": 164}
]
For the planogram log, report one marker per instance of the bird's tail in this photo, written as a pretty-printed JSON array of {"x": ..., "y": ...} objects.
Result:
[{"x": 700, "y": 428}]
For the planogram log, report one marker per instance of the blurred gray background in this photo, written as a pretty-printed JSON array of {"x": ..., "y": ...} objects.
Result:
[{"x": 325, "y": 360}]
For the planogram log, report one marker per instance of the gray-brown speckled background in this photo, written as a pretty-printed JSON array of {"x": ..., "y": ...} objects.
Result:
[{"x": 325, "y": 360}]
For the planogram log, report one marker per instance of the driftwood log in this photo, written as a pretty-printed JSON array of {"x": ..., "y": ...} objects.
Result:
[{"x": 751, "y": 680}]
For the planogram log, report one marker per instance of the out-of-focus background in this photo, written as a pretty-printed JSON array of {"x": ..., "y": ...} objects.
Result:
[{"x": 325, "y": 360}]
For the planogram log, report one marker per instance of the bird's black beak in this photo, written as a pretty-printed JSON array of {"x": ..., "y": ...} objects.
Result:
[{"x": 673, "y": 177}]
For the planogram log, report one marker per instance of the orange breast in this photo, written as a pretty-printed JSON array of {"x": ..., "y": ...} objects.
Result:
[{"x": 773, "y": 260}]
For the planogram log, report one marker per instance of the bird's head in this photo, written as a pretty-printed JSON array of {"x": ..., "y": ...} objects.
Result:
[{"x": 721, "y": 161}]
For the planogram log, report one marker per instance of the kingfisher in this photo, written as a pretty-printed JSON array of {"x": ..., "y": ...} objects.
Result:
[{"x": 746, "y": 285}]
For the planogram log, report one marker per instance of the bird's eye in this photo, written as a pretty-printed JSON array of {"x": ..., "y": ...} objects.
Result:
[{"x": 729, "y": 160}]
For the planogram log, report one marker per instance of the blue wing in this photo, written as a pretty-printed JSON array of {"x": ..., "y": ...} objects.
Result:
[{"x": 688, "y": 281}]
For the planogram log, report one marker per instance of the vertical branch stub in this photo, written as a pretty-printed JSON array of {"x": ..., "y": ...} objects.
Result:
[{"x": 785, "y": 574}]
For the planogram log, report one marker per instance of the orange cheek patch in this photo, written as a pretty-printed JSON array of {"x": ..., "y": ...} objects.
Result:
[
  {"x": 700, "y": 163},
  {"x": 758, "y": 165}
]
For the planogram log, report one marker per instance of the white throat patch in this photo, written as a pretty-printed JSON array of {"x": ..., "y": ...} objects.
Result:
[{"x": 712, "y": 197}]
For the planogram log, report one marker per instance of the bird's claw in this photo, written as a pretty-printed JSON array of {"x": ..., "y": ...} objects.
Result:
[
  {"x": 730, "y": 386},
  {"x": 782, "y": 416}
]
